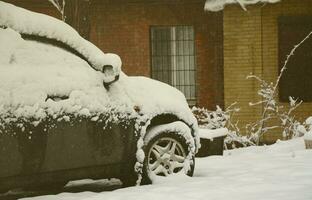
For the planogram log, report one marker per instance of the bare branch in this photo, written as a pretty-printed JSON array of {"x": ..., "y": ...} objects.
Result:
[{"x": 59, "y": 6}]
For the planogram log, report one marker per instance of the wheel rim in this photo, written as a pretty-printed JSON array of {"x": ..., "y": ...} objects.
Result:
[{"x": 166, "y": 156}]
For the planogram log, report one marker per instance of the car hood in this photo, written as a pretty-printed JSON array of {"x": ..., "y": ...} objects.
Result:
[{"x": 151, "y": 98}]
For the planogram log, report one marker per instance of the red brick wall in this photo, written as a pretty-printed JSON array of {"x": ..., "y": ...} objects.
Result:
[
  {"x": 123, "y": 27},
  {"x": 41, "y": 6}
]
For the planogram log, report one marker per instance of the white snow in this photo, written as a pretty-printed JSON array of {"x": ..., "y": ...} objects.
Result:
[
  {"x": 308, "y": 121},
  {"x": 308, "y": 136},
  {"x": 218, "y": 5},
  {"x": 278, "y": 172},
  {"x": 212, "y": 133},
  {"x": 308, "y": 131}
]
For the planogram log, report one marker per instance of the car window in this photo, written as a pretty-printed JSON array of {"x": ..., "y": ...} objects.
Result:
[{"x": 36, "y": 53}]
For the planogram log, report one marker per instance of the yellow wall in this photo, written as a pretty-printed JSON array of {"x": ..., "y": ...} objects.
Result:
[{"x": 251, "y": 46}]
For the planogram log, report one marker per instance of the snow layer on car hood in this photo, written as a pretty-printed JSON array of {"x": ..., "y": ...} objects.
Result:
[
  {"x": 152, "y": 96},
  {"x": 31, "y": 23}
]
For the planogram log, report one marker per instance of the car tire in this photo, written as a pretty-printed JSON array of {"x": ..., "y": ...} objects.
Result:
[{"x": 172, "y": 161}]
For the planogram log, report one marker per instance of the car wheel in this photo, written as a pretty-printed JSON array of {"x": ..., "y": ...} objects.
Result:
[{"x": 165, "y": 154}]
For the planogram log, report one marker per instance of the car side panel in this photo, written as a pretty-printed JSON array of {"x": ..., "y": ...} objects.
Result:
[
  {"x": 23, "y": 152},
  {"x": 83, "y": 144},
  {"x": 69, "y": 149}
]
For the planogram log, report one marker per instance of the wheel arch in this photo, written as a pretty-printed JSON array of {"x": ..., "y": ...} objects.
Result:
[
  {"x": 166, "y": 119},
  {"x": 162, "y": 119}
]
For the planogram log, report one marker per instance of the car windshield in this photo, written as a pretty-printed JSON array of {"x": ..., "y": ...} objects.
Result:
[{"x": 31, "y": 70}]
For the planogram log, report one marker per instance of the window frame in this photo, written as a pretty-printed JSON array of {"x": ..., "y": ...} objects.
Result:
[{"x": 193, "y": 101}]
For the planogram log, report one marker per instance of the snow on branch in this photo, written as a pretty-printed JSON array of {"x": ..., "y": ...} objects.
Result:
[
  {"x": 218, "y": 5},
  {"x": 59, "y": 6}
]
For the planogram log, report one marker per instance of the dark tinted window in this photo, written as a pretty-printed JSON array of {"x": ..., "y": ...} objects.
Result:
[{"x": 297, "y": 79}]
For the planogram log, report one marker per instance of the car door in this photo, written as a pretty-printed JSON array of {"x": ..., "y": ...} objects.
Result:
[{"x": 85, "y": 143}]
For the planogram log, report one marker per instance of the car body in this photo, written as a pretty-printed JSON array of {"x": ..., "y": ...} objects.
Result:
[{"x": 68, "y": 112}]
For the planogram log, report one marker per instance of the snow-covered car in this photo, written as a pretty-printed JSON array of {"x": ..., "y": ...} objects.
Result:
[{"x": 68, "y": 112}]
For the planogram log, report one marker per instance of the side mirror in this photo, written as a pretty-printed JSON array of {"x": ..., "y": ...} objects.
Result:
[
  {"x": 109, "y": 75},
  {"x": 111, "y": 69}
]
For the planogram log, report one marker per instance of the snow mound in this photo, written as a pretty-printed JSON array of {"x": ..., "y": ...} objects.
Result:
[
  {"x": 210, "y": 134},
  {"x": 288, "y": 146},
  {"x": 218, "y": 5},
  {"x": 31, "y": 23}
]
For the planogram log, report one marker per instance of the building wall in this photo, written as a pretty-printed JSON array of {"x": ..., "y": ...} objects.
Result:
[
  {"x": 123, "y": 27},
  {"x": 251, "y": 46},
  {"x": 37, "y": 6}
]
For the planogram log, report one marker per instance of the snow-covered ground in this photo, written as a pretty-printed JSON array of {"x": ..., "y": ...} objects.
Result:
[{"x": 279, "y": 172}]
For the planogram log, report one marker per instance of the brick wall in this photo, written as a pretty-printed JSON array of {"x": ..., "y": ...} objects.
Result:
[
  {"x": 40, "y": 6},
  {"x": 251, "y": 46}
]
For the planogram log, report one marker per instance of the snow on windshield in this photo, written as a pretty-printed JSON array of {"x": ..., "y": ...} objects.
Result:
[
  {"x": 31, "y": 71},
  {"x": 27, "y": 22}
]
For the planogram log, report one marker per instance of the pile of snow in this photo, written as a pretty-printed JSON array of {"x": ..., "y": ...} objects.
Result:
[
  {"x": 212, "y": 133},
  {"x": 280, "y": 172},
  {"x": 218, "y": 5},
  {"x": 31, "y": 23}
]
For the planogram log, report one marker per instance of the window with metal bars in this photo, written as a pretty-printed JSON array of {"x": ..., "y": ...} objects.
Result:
[{"x": 173, "y": 58}]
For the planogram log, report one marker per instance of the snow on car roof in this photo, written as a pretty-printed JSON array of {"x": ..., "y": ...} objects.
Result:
[
  {"x": 218, "y": 5},
  {"x": 32, "y": 23}
]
